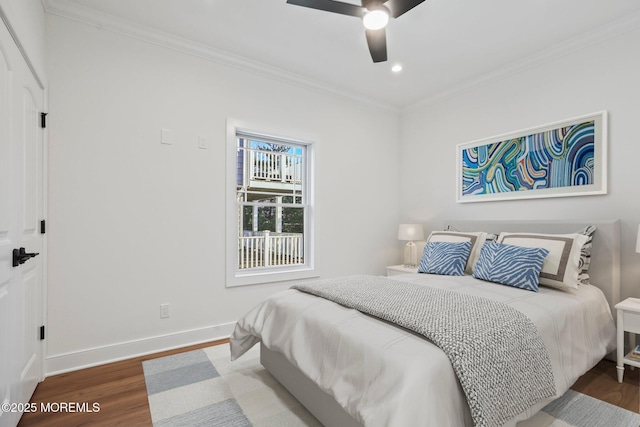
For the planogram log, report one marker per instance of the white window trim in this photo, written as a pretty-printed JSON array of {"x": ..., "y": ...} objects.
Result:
[{"x": 234, "y": 276}]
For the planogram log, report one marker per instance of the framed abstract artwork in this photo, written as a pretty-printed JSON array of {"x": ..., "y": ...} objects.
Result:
[{"x": 566, "y": 158}]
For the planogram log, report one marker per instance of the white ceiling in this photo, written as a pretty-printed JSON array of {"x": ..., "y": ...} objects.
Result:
[{"x": 443, "y": 45}]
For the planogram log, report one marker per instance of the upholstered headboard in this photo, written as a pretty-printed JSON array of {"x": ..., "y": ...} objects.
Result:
[{"x": 604, "y": 271}]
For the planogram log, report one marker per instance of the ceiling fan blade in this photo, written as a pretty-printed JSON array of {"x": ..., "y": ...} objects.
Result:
[
  {"x": 331, "y": 6},
  {"x": 377, "y": 41},
  {"x": 399, "y": 7}
]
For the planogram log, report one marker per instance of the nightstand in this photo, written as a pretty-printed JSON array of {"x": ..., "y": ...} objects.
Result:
[
  {"x": 394, "y": 270},
  {"x": 628, "y": 321}
]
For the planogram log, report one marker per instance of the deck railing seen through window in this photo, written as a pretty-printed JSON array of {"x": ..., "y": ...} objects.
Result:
[{"x": 270, "y": 249}]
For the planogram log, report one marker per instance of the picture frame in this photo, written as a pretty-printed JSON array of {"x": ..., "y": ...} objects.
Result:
[{"x": 560, "y": 159}]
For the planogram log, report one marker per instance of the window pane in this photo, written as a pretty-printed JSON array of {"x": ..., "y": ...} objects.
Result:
[
  {"x": 269, "y": 181},
  {"x": 293, "y": 220},
  {"x": 259, "y": 218},
  {"x": 268, "y": 167},
  {"x": 271, "y": 236}
]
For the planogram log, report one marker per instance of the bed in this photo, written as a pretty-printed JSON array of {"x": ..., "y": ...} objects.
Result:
[{"x": 352, "y": 369}]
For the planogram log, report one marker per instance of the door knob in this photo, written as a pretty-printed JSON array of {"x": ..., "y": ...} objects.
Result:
[{"x": 20, "y": 256}]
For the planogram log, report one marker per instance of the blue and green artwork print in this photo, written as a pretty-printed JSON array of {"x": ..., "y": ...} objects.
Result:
[{"x": 562, "y": 157}]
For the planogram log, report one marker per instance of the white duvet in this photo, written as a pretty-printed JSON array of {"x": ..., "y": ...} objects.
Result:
[{"x": 387, "y": 376}]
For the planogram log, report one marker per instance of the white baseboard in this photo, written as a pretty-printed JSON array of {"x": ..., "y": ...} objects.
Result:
[{"x": 61, "y": 363}]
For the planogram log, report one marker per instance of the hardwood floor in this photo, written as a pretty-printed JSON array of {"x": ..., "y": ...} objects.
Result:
[
  {"x": 602, "y": 383},
  {"x": 120, "y": 390}
]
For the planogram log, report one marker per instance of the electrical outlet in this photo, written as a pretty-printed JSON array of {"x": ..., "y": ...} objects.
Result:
[
  {"x": 164, "y": 311},
  {"x": 202, "y": 142}
]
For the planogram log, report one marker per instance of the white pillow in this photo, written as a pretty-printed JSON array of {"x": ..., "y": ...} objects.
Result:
[
  {"x": 562, "y": 267},
  {"x": 477, "y": 239}
]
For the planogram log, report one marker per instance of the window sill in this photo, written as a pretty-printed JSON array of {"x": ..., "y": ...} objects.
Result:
[{"x": 261, "y": 277}]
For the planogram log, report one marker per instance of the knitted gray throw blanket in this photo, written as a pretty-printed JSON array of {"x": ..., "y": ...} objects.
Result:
[{"x": 496, "y": 351}]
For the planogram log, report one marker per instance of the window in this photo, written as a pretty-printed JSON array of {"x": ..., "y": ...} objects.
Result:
[{"x": 269, "y": 220}]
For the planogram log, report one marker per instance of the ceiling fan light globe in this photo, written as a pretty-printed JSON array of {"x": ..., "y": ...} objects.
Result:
[{"x": 376, "y": 19}]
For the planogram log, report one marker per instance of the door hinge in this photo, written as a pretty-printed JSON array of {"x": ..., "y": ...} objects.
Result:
[
  {"x": 43, "y": 120},
  {"x": 42, "y": 332},
  {"x": 43, "y": 226}
]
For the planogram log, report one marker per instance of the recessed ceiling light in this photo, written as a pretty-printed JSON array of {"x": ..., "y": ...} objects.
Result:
[{"x": 396, "y": 68}]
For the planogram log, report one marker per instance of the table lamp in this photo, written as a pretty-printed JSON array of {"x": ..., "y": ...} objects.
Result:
[{"x": 410, "y": 232}]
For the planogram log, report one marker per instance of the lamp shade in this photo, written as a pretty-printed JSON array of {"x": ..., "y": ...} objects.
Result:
[
  {"x": 410, "y": 232},
  {"x": 638, "y": 241}
]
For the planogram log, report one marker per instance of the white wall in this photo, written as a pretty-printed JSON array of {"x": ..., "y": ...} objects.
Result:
[
  {"x": 600, "y": 77},
  {"x": 134, "y": 223},
  {"x": 27, "y": 19}
]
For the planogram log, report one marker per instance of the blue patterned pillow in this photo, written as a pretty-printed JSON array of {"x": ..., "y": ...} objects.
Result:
[
  {"x": 510, "y": 265},
  {"x": 448, "y": 258}
]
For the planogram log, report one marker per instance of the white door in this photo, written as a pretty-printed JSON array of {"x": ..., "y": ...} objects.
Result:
[{"x": 21, "y": 209}]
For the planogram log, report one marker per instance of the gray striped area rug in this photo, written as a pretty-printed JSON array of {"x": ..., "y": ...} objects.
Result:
[{"x": 204, "y": 388}]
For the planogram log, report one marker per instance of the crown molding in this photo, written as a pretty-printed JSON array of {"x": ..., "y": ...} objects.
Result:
[
  {"x": 567, "y": 47},
  {"x": 77, "y": 12}
]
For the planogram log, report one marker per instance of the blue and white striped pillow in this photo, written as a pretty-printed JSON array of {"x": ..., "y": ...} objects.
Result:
[
  {"x": 447, "y": 258},
  {"x": 510, "y": 265},
  {"x": 585, "y": 254}
]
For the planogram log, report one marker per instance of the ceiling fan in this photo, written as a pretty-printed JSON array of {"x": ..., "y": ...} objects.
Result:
[{"x": 374, "y": 14}]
